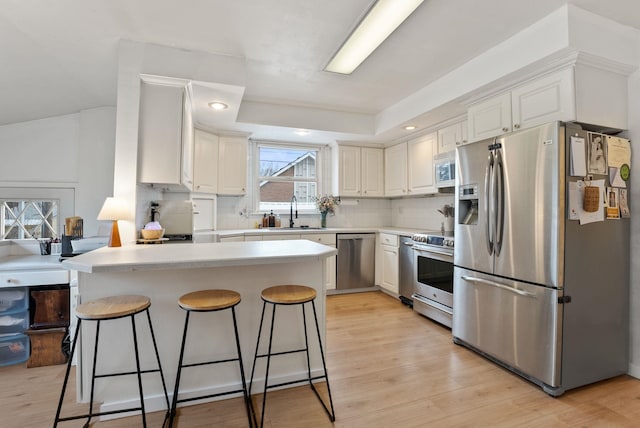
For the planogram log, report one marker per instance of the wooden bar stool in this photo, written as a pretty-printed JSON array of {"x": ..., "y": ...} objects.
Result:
[
  {"x": 291, "y": 295},
  {"x": 105, "y": 309},
  {"x": 210, "y": 301}
]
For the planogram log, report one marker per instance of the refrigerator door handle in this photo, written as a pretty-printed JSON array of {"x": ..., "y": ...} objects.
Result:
[
  {"x": 487, "y": 200},
  {"x": 499, "y": 195},
  {"x": 475, "y": 280}
]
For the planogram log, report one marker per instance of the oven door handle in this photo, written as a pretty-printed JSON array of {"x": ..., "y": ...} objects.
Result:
[
  {"x": 423, "y": 251},
  {"x": 498, "y": 285}
]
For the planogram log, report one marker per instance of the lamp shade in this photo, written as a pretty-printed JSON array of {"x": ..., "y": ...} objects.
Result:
[{"x": 114, "y": 209}]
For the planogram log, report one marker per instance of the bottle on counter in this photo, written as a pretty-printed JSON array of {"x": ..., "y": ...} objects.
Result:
[
  {"x": 272, "y": 219},
  {"x": 265, "y": 220},
  {"x": 278, "y": 222}
]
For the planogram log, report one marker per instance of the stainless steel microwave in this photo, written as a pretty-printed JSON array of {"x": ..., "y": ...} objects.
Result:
[{"x": 445, "y": 169}]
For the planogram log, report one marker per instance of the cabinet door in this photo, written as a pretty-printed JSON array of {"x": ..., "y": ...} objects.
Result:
[
  {"x": 203, "y": 214},
  {"x": 395, "y": 173},
  {"x": 546, "y": 99},
  {"x": 50, "y": 308},
  {"x": 232, "y": 166},
  {"x": 187, "y": 143},
  {"x": 421, "y": 173},
  {"x": 331, "y": 264},
  {"x": 349, "y": 173},
  {"x": 490, "y": 118},
  {"x": 449, "y": 137},
  {"x": 205, "y": 163},
  {"x": 389, "y": 268},
  {"x": 372, "y": 164},
  {"x": 160, "y": 139}
]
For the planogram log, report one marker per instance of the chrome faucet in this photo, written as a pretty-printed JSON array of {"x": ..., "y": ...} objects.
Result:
[{"x": 293, "y": 198}]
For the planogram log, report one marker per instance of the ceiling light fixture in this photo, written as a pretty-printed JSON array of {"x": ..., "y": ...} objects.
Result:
[
  {"x": 217, "y": 105},
  {"x": 379, "y": 22},
  {"x": 302, "y": 132},
  {"x": 409, "y": 127}
]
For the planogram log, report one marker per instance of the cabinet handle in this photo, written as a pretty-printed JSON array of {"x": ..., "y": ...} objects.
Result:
[
  {"x": 516, "y": 126},
  {"x": 365, "y": 192},
  {"x": 505, "y": 129}
]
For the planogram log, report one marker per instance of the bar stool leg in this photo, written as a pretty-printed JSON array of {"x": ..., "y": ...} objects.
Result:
[
  {"x": 66, "y": 375},
  {"x": 155, "y": 348},
  {"x": 331, "y": 414},
  {"x": 93, "y": 374},
  {"x": 247, "y": 400},
  {"x": 306, "y": 343},
  {"x": 175, "y": 390},
  {"x": 266, "y": 376},
  {"x": 135, "y": 346},
  {"x": 255, "y": 357}
]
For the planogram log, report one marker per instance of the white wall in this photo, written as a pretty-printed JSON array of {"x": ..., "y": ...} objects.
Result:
[
  {"x": 74, "y": 151},
  {"x": 420, "y": 213}
]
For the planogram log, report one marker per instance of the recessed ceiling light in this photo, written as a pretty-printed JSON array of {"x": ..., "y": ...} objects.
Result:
[
  {"x": 409, "y": 127},
  {"x": 302, "y": 132},
  {"x": 217, "y": 105},
  {"x": 379, "y": 22}
]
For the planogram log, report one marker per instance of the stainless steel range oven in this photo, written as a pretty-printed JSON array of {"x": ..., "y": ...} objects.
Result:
[{"x": 433, "y": 295}]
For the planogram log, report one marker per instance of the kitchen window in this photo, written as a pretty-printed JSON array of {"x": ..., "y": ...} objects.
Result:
[
  {"x": 27, "y": 213},
  {"x": 282, "y": 170}
]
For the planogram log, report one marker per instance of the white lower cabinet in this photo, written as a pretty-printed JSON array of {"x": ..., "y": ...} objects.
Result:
[
  {"x": 389, "y": 262},
  {"x": 231, "y": 239},
  {"x": 330, "y": 240}
]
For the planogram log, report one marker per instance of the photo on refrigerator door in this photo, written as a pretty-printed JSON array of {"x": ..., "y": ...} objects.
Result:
[
  {"x": 613, "y": 210},
  {"x": 597, "y": 154}
]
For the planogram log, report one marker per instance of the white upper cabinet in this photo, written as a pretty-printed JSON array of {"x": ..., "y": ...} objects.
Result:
[
  {"x": 372, "y": 171},
  {"x": 205, "y": 163},
  {"x": 165, "y": 149},
  {"x": 232, "y": 166},
  {"x": 452, "y": 136},
  {"x": 360, "y": 171},
  {"x": 395, "y": 172},
  {"x": 420, "y": 151},
  {"x": 574, "y": 93}
]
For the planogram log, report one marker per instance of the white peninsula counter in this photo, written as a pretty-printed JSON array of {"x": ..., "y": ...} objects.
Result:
[{"x": 164, "y": 273}]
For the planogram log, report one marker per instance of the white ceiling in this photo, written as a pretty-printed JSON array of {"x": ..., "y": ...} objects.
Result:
[{"x": 59, "y": 57}]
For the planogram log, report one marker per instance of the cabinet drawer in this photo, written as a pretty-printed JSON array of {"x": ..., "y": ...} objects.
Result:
[
  {"x": 322, "y": 238},
  {"x": 27, "y": 278},
  {"x": 13, "y": 299},
  {"x": 14, "y": 322},
  {"x": 389, "y": 239},
  {"x": 14, "y": 349}
]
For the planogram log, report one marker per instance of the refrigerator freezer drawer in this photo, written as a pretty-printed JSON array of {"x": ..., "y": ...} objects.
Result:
[{"x": 515, "y": 323}]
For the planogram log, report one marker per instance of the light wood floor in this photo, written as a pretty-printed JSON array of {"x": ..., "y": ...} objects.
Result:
[{"x": 388, "y": 367}]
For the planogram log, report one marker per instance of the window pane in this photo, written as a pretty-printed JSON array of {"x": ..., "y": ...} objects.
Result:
[
  {"x": 275, "y": 162},
  {"x": 29, "y": 219}
]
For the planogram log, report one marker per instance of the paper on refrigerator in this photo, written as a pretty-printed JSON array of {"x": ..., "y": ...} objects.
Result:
[{"x": 618, "y": 154}]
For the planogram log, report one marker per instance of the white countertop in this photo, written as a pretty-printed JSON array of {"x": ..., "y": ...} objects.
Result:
[
  {"x": 185, "y": 256},
  {"x": 30, "y": 262},
  {"x": 284, "y": 230}
]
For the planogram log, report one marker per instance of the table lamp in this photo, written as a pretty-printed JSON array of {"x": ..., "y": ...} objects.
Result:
[{"x": 114, "y": 209}]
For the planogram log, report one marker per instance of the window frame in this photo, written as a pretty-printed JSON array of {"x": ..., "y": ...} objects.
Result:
[{"x": 322, "y": 159}]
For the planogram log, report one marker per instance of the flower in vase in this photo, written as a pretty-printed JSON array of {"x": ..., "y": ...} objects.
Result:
[{"x": 327, "y": 204}]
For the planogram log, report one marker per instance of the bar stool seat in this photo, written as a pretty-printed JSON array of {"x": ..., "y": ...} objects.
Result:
[
  {"x": 291, "y": 295},
  {"x": 105, "y": 309},
  {"x": 209, "y": 301}
]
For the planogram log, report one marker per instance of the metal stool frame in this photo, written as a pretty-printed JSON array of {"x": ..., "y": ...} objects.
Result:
[
  {"x": 269, "y": 354},
  {"x": 138, "y": 372},
  {"x": 247, "y": 400}
]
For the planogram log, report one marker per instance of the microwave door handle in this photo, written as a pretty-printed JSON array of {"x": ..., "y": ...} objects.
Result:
[
  {"x": 488, "y": 200},
  {"x": 499, "y": 184}
]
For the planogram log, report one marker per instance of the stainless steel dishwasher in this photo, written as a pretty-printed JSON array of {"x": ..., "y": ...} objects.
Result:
[{"x": 356, "y": 261}]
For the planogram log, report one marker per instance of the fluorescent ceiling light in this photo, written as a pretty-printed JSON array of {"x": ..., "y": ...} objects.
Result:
[
  {"x": 410, "y": 127},
  {"x": 217, "y": 105},
  {"x": 302, "y": 132},
  {"x": 379, "y": 22}
]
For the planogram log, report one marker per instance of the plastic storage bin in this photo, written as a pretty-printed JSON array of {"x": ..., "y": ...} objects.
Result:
[
  {"x": 14, "y": 321},
  {"x": 14, "y": 349},
  {"x": 13, "y": 299}
]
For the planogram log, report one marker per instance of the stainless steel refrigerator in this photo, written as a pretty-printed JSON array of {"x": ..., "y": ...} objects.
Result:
[{"x": 535, "y": 292}]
